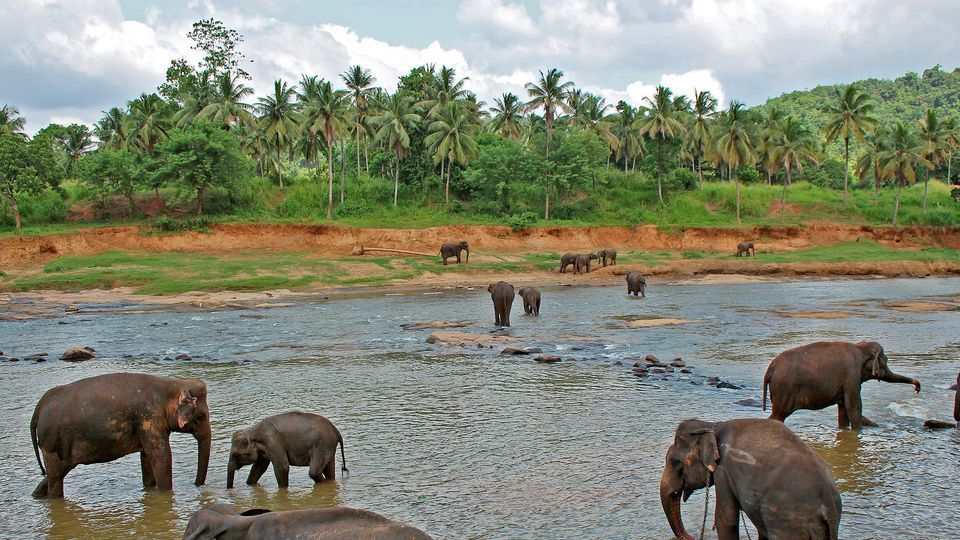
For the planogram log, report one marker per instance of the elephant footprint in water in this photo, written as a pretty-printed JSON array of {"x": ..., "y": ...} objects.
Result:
[{"x": 293, "y": 438}]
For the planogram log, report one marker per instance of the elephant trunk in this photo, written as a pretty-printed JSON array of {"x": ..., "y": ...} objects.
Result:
[
  {"x": 956, "y": 406},
  {"x": 203, "y": 453},
  {"x": 231, "y": 470},
  {"x": 671, "y": 507},
  {"x": 892, "y": 377}
]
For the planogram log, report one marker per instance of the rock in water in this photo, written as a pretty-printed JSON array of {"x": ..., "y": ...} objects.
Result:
[
  {"x": 547, "y": 358},
  {"x": 516, "y": 351},
  {"x": 938, "y": 424},
  {"x": 678, "y": 362},
  {"x": 749, "y": 402},
  {"x": 71, "y": 309},
  {"x": 77, "y": 354}
]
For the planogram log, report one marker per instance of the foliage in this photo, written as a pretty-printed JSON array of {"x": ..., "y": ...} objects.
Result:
[{"x": 522, "y": 221}]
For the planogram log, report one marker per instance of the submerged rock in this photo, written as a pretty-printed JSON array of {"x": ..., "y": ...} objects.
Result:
[
  {"x": 464, "y": 338},
  {"x": 678, "y": 362},
  {"x": 183, "y": 357},
  {"x": 725, "y": 384},
  {"x": 434, "y": 325},
  {"x": 71, "y": 309},
  {"x": 520, "y": 351},
  {"x": 547, "y": 358},
  {"x": 938, "y": 424},
  {"x": 749, "y": 402},
  {"x": 77, "y": 354}
]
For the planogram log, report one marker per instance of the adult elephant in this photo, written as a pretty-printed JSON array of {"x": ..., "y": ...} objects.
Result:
[
  {"x": 636, "y": 284},
  {"x": 566, "y": 260},
  {"x": 106, "y": 417},
  {"x": 502, "y": 295},
  {"x": 222, "y": 521},
  {"x": 454, "y": 250},
  {"x": 826, "y": 373},
  {"x": 745, "y": 248},
  {"x": 758, "y": 466},
  {"x": 294, "y": 438},
  {"x": 583, "y": 262},
  {"x": 531, "y": 300},
  {"x": 605, "y": 255}
]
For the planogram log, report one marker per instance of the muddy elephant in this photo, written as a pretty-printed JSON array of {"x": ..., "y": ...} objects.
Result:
[
  {"x": 106, "y": 417},
  {"x": 566, "y": 260},
  {"x": 222, "y": 521},
  {"x": 531, "y": 300},
  {"x": 759, "y": 467},
  {"x": 502, "y": 295},
  {"x": 822, "y": 374},
  {"x": 636, "y": 284},
  {"x": 607, "y": 255},
  {"x": 454, "y": 250},
  {"x": 294, "y": 438},
  {"x": 745, "y": 248},
  {"x": 583, "y": 262}
]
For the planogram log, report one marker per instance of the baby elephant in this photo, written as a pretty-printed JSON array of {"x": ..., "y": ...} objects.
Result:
[
  {"x": 221, "y": 521},
  {"x": 606, "y": 255},
  {"x": 531, "y": 300},
  {"x": 293, "y": 438},
  {"x": 583, "y": 262},
  {"x": 502, "y": 295},
  {"x": 636, "y": 284},
  {"x": 745, "y": 247},
  {"x": 454, "y": 250},
  {"x": 566, "y": 260}
]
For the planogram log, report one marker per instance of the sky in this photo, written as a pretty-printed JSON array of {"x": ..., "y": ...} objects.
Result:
[{"x": 67, "y": 61}]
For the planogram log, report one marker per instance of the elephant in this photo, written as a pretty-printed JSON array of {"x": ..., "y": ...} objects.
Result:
[
  {"x": 531, "y": 300},
  {"x": 502, "y": 295},
  {"x": 223, "y": 522},
  {"x": 106, "y": 417},
  {"x": 453, "y": 250},
  {"x": 294, "y": 438},
  {"x": 566, "y": 260},
  {"x": 759, "y": 467},
  {"x": 636, "y": 284},
  {"x": 605, "y": 255},
  {"x": 818, "y": 375},
  {"x": 745, "y": 247},
  {"x": 956, "y": 402},
  {"x": 583, "y": 261}
]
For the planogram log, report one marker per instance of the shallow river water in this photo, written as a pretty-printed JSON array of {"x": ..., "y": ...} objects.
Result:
[{"x": 465, "y": 444}]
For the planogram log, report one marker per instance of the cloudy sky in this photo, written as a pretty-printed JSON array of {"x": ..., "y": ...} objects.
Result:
[{"x": 67, "y": 60}]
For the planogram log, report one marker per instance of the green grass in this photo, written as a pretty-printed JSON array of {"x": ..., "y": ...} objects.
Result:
[{"x": 862, "y": 251}]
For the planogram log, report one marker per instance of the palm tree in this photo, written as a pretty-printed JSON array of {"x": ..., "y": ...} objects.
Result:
[
  {"x": 359, "y": 81},
  {"x": 849, "y": 115},
  {"x": 550, "y": 94},
  {"x": 704, "y": 108},
  {"x": 934, "y": 140},
  {"x": 508, "y": 116},
  {"x": 767, "y": 139},
  {"x": 793, "y": 144},
  {"x": 629, "y": 141},
  {"x": 110, "y": 129},
  {"x": 395, "y": 121},
  {"x": 660, "y": 122},
  {"x": 448, "y": 89},
  {"x": 279, "y": 118},
  {"x": 195, "y": 95},
  {"x": 147, "y": 122},
  {"x": 227, "y": 106},
  {"x": 326, "y": 113},
  {"x": 904, "y": 153},
  {"x": 733, "y": 144},
  {"x": 76, "y": 140},
  {"x": 951, "y": 139},
  {"x": 11, "y": 123},
  {"x": 593, "y": 117},
  {"x": 451, "y": 136}
]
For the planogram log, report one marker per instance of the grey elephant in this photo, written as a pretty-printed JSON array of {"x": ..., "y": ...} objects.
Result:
[
  {"x": 583, "y": 262},
  {"x": 454, "y": 250},
  {"x": 745, "y": 247},
  {"x": 607, "y": 255},
  {"x": 759, "y": 467},
  {"x": 636, "y": 284},
  {"x": 827, "y": 373},
  {"x": 531, "y": 300},
  {"x": 294, "y": 438},
  {"x": 502, "y": 295},
  {"x": 223, "y": 522},
  {"x": 106, "y": 417},
  {"x": 566, "y": 260}
]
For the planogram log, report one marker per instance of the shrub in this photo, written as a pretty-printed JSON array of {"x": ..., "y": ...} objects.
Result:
[
  {"x": 683, "y": 179},
  {"x": 521, "y": 222}
]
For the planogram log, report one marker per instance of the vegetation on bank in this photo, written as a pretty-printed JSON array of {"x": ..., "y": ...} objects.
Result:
[
  {"x": 432, "y": 153},
  {"x": 174, "y": 273}
]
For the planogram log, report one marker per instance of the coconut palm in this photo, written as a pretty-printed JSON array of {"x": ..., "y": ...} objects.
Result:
[
  {"x": 935, "y": 145},
  {"x": 75, "y": 140},
  {"x": 593, "y": 117},
  {"x": 550, "y": 94},
  {"x": 869, "y": 160},
  {"x": 733, "y": 143},
  {"x": 507, "y": 116},
  {"x": 11, "y": 123},
  {"x": 703, "y": 109},
  {"x": 147, "y": 122},
  {"x": 359, "y": 82},
  {"x": 110, "y": 129},
  {"x": 951, "y": 139},
  {"x": 451, "y": 138},
  {"x": 793, "y": 144},
  {"x": 279, "y": 119},
  {"x": 849, "y": 115},
  {"x": 905, "y": 152},
  {"x": 661, "y": 122},
  {"x": 629, "y": 141},
  {"x": 394, "y": 124},
  {"x": 767, "y": 139},
  {"x": 194, "y": 94},
  {"x": 448, "y": 89},
  {"x": 227, "y": 106},
  {"x": 325, "y": 112}
]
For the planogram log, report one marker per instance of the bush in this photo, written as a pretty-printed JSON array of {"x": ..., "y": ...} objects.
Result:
[
  {"x": 521, "y": 222},
  {"x": 196, "y": 223},
  {"x": 682, "y": 179},
  {"x": 350, "y": 208},
  {"x": 748, "y": 175}
]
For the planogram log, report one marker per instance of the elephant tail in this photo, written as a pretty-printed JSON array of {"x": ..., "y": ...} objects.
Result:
[
  {"x": 343, "y": 458},
  {"x": 33, "y": 437},
  {"x": 766, "y": 383}
]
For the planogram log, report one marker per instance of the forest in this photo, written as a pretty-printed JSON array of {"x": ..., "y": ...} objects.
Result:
[{"x": 202, "y": 147}]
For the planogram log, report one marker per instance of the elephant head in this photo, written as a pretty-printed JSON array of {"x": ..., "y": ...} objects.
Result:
[
  {"x": 690, "y": 463},
  {"x": 466, "y": 247},
  {"x": 220, "y": 521},
  {"x": 243, "y": 452},
  {"x": 193, "y": 416},
  {"x": 875, "y": 366}
]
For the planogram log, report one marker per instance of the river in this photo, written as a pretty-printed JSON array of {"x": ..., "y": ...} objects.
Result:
[{"x": 465, "y": 444}]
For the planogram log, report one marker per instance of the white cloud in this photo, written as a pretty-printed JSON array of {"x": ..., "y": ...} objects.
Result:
[
  {"x": 511, "y": 18},
  {"x": 680, "y": 83}
]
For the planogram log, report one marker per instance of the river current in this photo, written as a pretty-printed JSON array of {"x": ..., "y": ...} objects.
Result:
[{"x": 463, "y": 443}]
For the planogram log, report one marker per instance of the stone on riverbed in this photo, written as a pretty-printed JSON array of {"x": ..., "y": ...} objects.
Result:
[
  {"x": 678, "y": 362},
  {"x": 938, "y": 424},
  {"x": 547, "y": 358},
  {"x": 466, "y": 338},
  {"x": 649, "y": 323},
  {"x": 71, "y": 309},
  {"x": 749, "y": 402},
  {"x": 77, "y": 354},
  {"x": 434, "y": 325},
  {"x": 518, "y": 351}
]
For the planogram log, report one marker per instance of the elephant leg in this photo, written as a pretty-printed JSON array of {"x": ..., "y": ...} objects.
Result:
[
  {"x": 146, "y": 471},
  {"x": 256, "y": 470},
  {"x": 854, "y": 407},
  {"x": 843, "y": 421},
  {"x": 726, "y": 516},
  {"x": 868, "y": 422},
  {"x": 316, "y": 466},
  {"x": 330, "y": 469},
  {"x": 52, "y": 484},
  {"x": 281, "y": 466},
  {"x": 157, "y": 452}
]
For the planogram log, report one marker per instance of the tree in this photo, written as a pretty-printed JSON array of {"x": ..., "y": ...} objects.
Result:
[
  {"x": 112, "y": 171},
  {"x": 593, "y": 117},
  {"x": 934, "y": 145},
  {"x": 507, "y": 116},
  {"x": 733, "y": 143},
  {"x": 447, "y": 89},
  {"x": 219, "y": 45},
  {"x": 279, "y": 118},
  {"x": 325, "y": 111},
  {"x": 903, "y": 154},
  {"x": 703, "y": 110},
  {"x": 200, "y": 156},
  {"x": 359, "y": 82},
  {"x": 550, "y": 94},
  {"x": 451, "y": 138},
  {"x": 951, "y": 138},
  {"x": 791, "y": 146},
  {"x": 75, "y": 140},
  {"x": 227, "y": 107},
  {"x": 26, "y": 167},
  {"x": 11, "y": 123},
  {"x": 111, "y": 130},
  {"x": 147, "y": 123},
  {"x": 850, "y": 114},
  {"x": 660, "y": 122},
  {"x": 393, "y": 131},
  {"x": 629, "y": 141}
]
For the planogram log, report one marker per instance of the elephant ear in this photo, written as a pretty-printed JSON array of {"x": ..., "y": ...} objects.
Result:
[
  {"x": 255, "y": 512},
  {"x": 490, "y": 287},
  {"x": 871, "y": 352},
  {"x": 709, "y": 454}
]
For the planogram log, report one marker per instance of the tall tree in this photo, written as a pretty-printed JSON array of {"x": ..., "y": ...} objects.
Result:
[
  {"x": 550, "y": 94},
  {"x": 228, "y": 107},
  {"x": 629, "y": 140},
  {"x": 279, "y": 117},
  {"x": 26, "y": 167},
  {"x": 326, "y": 113},
  {"x": 791, "y": 146},
  {"x": 447, "y": 88},
  {"x": 110, "y": 129},
  {"x": 359, "y": 82},
  {"x": 935, "y": 144},
  {"x": 75, "y": 140},
  {"x": 904, "y": 153},
  {"x": 394, "y": 124},
  {"x": 593, "y": 117},
  {"x": 704, "y": 108},
  {"x": 849, "y": 115},
  {"x": 733, "y": 144},
  {"x": 507, "y": 117},
  {"x": 660, "y": 122},
  {"x": 148, "y": 122},
  {"x": 219, "y": 45},
  {"x": 451, "y": 138},
  {"x": 11, "y": 123}
]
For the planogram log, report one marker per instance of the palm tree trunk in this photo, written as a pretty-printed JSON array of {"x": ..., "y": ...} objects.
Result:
[
  {"x": 896, "y": 205},
  {"x": 366, "y": 157},
  {"x": 783, "y": 195},
  {"x": 659, "y": 169},
  {"x": 396, "y": 180},
  {"x": 329, "y": 180},
  {"x": 769, "y": 178},
  {"x": 358, "y": 151},
  {"x": 846, "y": 168},
  {"x": 700, "y": 171},
  {"x": 446, "y": 191},
  {"x": 949, "y": 163},
  {"x": 926, "y": 180},
  {"x": 200, "y": 201},
  {"x": 737, "y": 182},
  {"x": 156, "y": 194},
  {"x": 546, "y": 205},
  {"x": 343, "y": 155},
  {"x": 279, "y": 166},
  {"x": 443, "y": 160}
]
